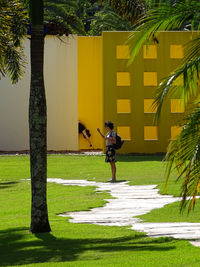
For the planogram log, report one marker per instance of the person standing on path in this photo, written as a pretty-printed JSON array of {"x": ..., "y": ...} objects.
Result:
[{"x": 110, "y": 138}]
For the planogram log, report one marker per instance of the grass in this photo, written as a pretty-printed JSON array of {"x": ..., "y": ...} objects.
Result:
[
  {"x": 137, "y": 170},
  {"x": 82, "y": 244},
  {"x": 171, "y": 213}
]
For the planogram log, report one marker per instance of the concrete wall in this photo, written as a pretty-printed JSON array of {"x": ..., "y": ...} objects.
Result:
[
  {"x": 129, "y": 90},
  {"x": 87, "y": 79},
  {"x": 62, "y": 99},
  {"x": 61, "y": 83},
  {"x": 14, "y": 111}
]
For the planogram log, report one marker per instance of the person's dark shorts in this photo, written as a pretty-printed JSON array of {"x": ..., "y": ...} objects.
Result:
[{"x": 110, "y": 154}]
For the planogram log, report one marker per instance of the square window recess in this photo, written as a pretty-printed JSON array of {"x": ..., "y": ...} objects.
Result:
[
  {"x": 122, "y": 52},
  {"x": 124, "y": 132},
  {"x": 123, "y": 106},
  {"x": 148, "y": 108},
  {"x": 150, "y": 133},
  {"x": 150, "y": 79},
  {"x": 150, "y": 52},
  {"x": 175, "y": 130},
  {"x": 177, "y": 105},
  {"x": 123, "y": 79},
  {"x": 176, "y": 51}
]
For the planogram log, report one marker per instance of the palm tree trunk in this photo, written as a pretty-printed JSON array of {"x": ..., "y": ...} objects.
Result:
[{"x": 37, "y": 129}]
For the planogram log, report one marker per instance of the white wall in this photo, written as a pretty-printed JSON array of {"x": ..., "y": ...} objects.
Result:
[
  {"x": 62, "y": 93},
  {"x": 62, "y": 99}
]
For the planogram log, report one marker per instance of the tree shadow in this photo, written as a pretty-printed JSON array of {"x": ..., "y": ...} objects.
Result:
[
  {"x": 140, "y": 157},
  {"x": 4, "y": 185},
  {"x": 17, "y": 249}
]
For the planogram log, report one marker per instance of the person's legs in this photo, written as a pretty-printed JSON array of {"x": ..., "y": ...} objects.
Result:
[
  {"x": 87, "y": 137},
  {"x": 113, "y": 169}
]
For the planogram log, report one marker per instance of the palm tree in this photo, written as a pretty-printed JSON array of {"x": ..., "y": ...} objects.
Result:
[
  {"x": 183, "y": 152},
  {"x": 108, "y": 20},
  {"x": 13, "y": 21},
  {"x": 118, "y": 15},
  {"x": 62, "y": 13},
  {"x": 129, "y": 9},
  {"x": 60, "y": 16},
  {"x": 38, "y": 123}
]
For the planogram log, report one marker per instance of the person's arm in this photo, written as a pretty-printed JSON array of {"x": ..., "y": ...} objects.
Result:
[
  {"x": 102, "y": 135},
  {"x": 112, "y": 139}
]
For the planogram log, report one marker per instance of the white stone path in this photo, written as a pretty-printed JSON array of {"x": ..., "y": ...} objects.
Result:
[{"x": 130, "y": 201}]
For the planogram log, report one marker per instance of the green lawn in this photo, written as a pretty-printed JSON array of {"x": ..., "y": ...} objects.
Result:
[{"x": 82, "y": 244}]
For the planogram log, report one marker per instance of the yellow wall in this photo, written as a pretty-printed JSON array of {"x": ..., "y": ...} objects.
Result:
[
  {"x": 90, "y": 89},
  {"x": 128, "y": 90}
]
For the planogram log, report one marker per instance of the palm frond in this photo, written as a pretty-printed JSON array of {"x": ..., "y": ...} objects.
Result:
[
  {"x": 164, "y": 17},
  {"x": 56, "y": 10},
  {"x": 184, "y": 155},
  {"x": 14, "y": 63},
  {"x": 184, "y": 152},
  {"x": 189, "y": 73},
  {"x": 13, "y": 21},
  {"x": 108, "y": 20},
  {"x": 77, "y": 26},
  {"x": 67, "y": 4},
  {"x": 61, "y": 15}
]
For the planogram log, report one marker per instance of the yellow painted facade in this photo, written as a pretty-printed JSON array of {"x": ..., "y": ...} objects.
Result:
[
  {"x": 123, "y": 79},
  {"x": 176, "y": 51},
  {"x": 175, "y": 130},
  {"x": 150, "y": 51},
  {"x": 122, "y": 52},
  {"x": 150, "y": 133},
  {"x": 149, "y": 106},
  {"x": 90, "y": 106},
  {"x": 124, "y": 131},
  {"x": 128, "y": 90},
  {"x": 177, "y": 105},
  {"x": 123, "y": 106}
]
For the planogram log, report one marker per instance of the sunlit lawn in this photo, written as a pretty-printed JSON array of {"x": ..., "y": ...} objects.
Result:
[{"x": 82, "y": 244}]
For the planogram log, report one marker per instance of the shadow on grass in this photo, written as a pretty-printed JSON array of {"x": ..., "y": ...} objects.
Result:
[
  {"x": 4, "y": 185},
  {"x": 139, "y": 158},
  {"x": 16, "y": 248}
]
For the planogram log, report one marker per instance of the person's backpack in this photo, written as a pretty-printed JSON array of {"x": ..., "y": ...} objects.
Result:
[{"x": 119, "y": 142}]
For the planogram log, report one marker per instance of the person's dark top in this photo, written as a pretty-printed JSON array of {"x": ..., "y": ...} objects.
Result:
[{"x": 81, "y": 127}]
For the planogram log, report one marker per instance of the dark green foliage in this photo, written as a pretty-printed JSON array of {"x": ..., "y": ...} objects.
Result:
[
  {"x": 91, "y": 17},
  {"x": 62, "y": 14},
  {"x": 128, "y": 9},
  {"x": 108, "y": 20},
  {"x": 118, "y": 15},
  {"x": 13, "y": 21}
]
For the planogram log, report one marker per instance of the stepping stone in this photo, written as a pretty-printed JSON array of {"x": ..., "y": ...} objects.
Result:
[{"x": 129, "y": 202}]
